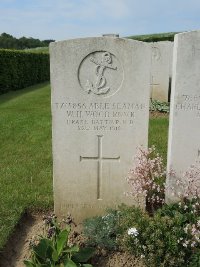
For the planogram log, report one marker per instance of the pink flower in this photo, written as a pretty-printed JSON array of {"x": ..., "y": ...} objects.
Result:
[{"x": 143, "y": 177}]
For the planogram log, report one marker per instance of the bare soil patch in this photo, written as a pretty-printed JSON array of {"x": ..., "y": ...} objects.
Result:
[
  {"x": 158, "y": 114},
  {"x": 17, "y": 248}
]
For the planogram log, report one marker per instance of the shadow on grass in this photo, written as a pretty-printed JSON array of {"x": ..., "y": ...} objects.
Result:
[
  {"x": 14, "y": 94},
  {"x": 17, "y": 246},
  {"x": 13, "y": 247}
]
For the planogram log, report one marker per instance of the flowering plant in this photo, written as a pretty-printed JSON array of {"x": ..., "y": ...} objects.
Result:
[
  {"x": 133, "y": 231},
  {"x": 188, "y": 185},
  {"x": 171, "y": 230},
  {"x": 147, "y": 177},
  {"x": 170, "y": 238}
]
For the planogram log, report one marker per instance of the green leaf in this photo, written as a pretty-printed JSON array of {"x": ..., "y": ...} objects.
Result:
[
  {"x": 83, "y": 255},
  {"x": 29, "y": 263},
  {"x": 43, "y": 251},
  {"x": 87, "y": 265},
  {"x": 72, "y": 249},
  {"x": 41, "y": 248},
  {"x": 50, "y": 249},
  {"x": 69, "y": 263},
  {"x": 55, "y": 256},
  {"x": 62, "y": 239}
]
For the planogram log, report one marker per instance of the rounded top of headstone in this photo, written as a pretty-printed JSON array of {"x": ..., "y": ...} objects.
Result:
[{"x": 110, "y": 35}]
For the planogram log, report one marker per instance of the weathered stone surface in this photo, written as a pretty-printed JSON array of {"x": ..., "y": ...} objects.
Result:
[
  {"x": 161, "y": 66},
  {"x": 100, "y": 102},
  {"x": 184, "y": 129}
]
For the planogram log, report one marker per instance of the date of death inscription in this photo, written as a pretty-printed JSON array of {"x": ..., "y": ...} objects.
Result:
[{"x": 99, "y": 116}]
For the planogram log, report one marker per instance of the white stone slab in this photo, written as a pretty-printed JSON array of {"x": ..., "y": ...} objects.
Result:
[
  {"x": 184, "y": 128},
  {"x": 100, "y": 102},
  {"x": 162, "y": 54}
]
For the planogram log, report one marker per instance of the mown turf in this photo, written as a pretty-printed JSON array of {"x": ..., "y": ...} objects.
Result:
[
  {"x": 25, "y": 153},
  {"x": 158, "y": 133}
]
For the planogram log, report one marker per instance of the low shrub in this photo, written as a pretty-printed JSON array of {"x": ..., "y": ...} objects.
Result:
[
  {"x": 169, "y": 238},
  {"x": 156, "y": 105},
  {"x": 166, "y": 239},
  {"x": 101, "y": 231},
  {"x": 164, "y": 236},
  {"x": 22, "y": 69}
]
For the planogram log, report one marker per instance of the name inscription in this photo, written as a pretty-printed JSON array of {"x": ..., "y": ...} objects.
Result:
[
  {"x": 189, "y": 103},
  {"x": 99, "y": 116}
]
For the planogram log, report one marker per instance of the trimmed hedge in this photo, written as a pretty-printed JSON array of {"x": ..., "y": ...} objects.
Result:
[
  {"x": 154, "y": 37},
  {"x": 21, "y": 69}
]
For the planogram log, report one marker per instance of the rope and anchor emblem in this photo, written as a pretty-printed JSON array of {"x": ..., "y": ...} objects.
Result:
[{"x": 100, "y": 85}]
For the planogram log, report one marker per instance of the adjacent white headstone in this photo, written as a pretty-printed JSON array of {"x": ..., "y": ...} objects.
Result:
[
  {"x": 184, "y": 129},
  {"x": 162, "y": 54},
  {"x": 100, "y": 109}
]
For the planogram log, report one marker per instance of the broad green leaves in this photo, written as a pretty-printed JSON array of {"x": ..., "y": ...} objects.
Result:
[{"x": 55, "y": 251}]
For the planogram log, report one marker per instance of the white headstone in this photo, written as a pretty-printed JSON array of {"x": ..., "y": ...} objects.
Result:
[
  {"x": 184, "y": 128},
  {"x": 162, "y": 54},
  {"x": 100, "y": 95}
]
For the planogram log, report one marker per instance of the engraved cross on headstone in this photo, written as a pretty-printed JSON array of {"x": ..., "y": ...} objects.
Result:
[
  {"x": 99, "y": 159},
  {"x": 198, "y": 157},
  {"x": 152, "y": 84},
  {"x": 194, "y": 50}
]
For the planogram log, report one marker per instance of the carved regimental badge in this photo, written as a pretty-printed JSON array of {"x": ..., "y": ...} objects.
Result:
[
  {"x": 100, "y": 73},
  {"x": 156, "y": 53}
]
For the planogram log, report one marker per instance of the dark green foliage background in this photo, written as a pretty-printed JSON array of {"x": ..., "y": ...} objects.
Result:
[
  {"x": 7, "y": 41},
  {"x": 158, "y": 37},
  {"x": 21, "y": 69}
]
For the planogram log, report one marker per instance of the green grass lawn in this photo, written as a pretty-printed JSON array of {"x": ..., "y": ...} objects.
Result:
[
  {"x": 25, "y": 153},
  {"x": 158, "y": 133}
]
